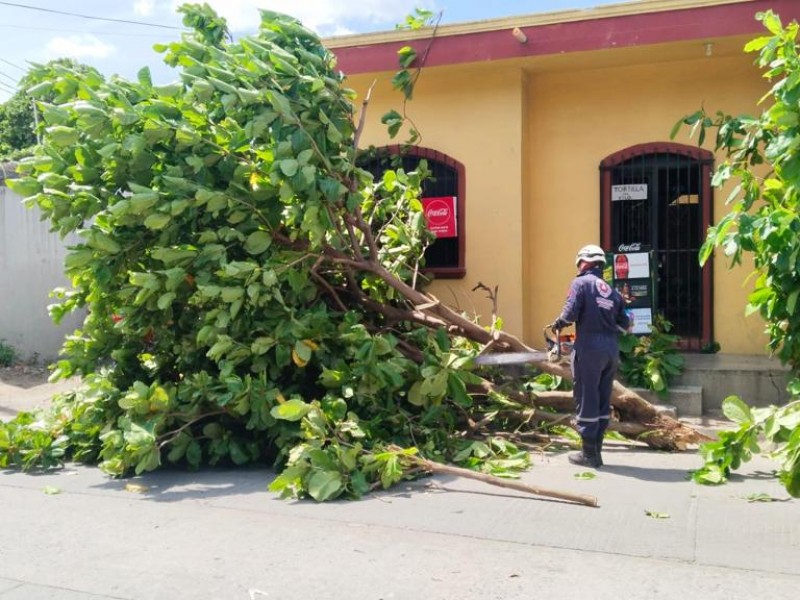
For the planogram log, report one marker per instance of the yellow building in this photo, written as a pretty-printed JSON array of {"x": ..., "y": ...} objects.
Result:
[{"x": 552, "y": 131}]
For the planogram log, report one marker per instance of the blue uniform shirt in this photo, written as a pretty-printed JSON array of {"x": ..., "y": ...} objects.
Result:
[{"x": 598, "y": 311}]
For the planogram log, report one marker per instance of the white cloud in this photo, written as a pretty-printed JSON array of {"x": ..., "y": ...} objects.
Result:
[
  {"x": 79, "y": 46},
  {"x": 326, "y": 17},
  {"x": 144, "y": 8}
]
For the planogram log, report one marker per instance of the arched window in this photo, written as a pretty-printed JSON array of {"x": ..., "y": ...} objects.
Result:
[
  {"x": 444, "y": 258},
  {"x": 658, "y": 197}
]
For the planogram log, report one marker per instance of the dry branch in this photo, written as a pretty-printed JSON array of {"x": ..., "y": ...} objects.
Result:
[{"x": 434, "y": 467}]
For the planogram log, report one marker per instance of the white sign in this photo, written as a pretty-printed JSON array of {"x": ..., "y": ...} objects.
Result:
[
  {"x": 629, "y": 191},
  {"x": 642, "y": 319}
]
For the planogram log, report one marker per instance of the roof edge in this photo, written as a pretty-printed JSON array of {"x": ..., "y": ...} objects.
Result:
[{"x": 634, "y": 7}]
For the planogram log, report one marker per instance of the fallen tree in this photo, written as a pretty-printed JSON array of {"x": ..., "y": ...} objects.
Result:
[{"x": 252, "y": 294}]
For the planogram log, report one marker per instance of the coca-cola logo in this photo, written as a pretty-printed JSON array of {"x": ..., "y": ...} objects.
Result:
[
  {"x": 635, "y": 247},
  {"x": 438, "y": 213}
]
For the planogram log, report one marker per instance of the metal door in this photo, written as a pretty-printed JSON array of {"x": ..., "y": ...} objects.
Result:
[{"x": 669, "y": 213}]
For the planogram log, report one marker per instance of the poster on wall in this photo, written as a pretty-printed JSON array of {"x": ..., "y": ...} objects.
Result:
[
  {"x": 630, "y": 271},
  {"x": 440, "y": 214}
]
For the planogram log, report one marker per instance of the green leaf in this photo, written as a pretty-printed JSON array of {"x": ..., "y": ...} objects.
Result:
[
  {"x": 324, "y": 485},
  {"x": 77, "y": 259},
  {"x": 736, "y": 410},
  {"x": 656, "y": 515},
  {"x": 289, "y": 166},
  {"x": 791, "y": 301},
  {"x": 262, "y": 345},
  {"x": 291, "y": 410},
  {"x": 407, "y": 55},
  {"x": 757, "y": 44},
  {"x": 166, "y": 300},
  {"x": 303, "y": 351},
  {"x": 62, "y": 136},
  {"x": 585, "y": 475},
  {"x": 258, "y": 242},
  {"x": 157, "y": 221},
  {"x": 760, "y": 497},
  {"x": 51, "y": 490},
  {"x": 415, "y": 395}
]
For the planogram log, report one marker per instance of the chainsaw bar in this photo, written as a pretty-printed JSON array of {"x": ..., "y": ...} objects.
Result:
[{"x": 511, "y": 358}]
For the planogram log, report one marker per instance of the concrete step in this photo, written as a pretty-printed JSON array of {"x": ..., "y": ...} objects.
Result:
[
  {"x": 758, "y": 380},
  {"x": 686, "y": 400}
]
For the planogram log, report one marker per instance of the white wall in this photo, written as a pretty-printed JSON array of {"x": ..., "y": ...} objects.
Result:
[{"x": 31, "y": 265}]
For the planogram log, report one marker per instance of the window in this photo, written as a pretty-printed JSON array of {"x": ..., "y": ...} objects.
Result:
[{"x": 444, "y": 258}]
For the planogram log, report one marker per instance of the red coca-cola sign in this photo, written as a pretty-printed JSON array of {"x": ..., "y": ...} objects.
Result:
[
  {"x": 440, "y": 213},
  {"x": 621, "y": 266}
]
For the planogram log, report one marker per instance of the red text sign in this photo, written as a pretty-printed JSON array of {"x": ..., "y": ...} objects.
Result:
[{"x": 440, "y": 214}]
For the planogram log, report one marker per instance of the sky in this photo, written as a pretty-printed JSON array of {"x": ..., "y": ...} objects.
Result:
[{"x": 124, "y": 45}]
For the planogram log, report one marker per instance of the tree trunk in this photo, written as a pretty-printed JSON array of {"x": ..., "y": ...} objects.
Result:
[
  {"x": 657, "y": 430},
  {"x": 637, "y": 420}
]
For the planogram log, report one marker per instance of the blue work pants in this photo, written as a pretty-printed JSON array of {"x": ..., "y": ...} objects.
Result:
[{"x": 593, "y": 371}]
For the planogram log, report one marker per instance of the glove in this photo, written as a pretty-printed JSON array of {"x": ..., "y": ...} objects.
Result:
[{"x": 558, "y": 324}]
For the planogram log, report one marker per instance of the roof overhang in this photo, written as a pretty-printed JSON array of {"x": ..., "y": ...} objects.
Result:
[{"x": 625, "y": 25}]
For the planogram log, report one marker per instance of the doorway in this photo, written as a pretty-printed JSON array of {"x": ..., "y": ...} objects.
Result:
[{"x": 657, "y": 197}]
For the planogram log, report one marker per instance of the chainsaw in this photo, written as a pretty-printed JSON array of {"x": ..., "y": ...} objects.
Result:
[{"x": 557, "y": 347}]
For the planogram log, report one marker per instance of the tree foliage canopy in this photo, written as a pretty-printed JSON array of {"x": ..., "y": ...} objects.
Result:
[
  {"x": 16, "y": 125},
  {"x": 763, "y": 159},
  {"x": 249, "y": 290},
  {"x": 252, "y": 294},
  {"x": 17, "y": 119}
]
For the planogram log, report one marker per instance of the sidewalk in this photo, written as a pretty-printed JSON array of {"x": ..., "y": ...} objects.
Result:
[{"x": 219, "y": 534}]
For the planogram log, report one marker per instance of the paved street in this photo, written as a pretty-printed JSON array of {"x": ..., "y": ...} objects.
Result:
[{"x": 221, "y": 534}]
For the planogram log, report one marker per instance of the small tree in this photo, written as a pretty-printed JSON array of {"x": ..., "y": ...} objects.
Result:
[
  {"x": 764, "y": 222},
  {"x": 17, "y": 118},
  {"x": 16, "y": 125},
  {"x": 252, "y": 294}
]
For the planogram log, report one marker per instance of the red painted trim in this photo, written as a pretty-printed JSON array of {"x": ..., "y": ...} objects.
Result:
[
  {"x": 461, "y": 204},
  {"x": 605, "y": 209},
  {"x": 575, "y": 36},
  {"x": 706, "y": 271},
  {"x": 695, "y": 152}
]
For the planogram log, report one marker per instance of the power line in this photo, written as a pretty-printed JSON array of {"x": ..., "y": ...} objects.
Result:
[
  {"x": 9, "y": 77},
  {"x": 69, "y": 14},
  {"x": 11, "y": 64},
  {"x": 8, "y": 88},
  {"x": 62, "y": 30}
]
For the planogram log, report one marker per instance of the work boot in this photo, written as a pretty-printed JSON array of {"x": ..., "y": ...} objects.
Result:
[{"x": 587, "y": 457}]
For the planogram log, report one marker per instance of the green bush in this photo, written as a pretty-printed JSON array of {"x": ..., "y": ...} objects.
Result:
[
  {"x": 8, "y": 355},
  {"x": 650, "y": 361}
]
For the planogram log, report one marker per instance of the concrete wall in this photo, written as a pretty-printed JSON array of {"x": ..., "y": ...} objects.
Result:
[{"x": 31, "y": 259}]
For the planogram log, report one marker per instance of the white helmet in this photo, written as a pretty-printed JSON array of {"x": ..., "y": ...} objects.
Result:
[{"x": 590, "y": 254}]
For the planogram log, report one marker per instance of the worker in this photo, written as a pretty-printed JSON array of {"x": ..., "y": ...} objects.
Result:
[{"x": 598, "y": 311}]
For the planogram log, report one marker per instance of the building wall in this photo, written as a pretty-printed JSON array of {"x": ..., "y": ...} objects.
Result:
[
  {"x": 476, "y": 117},
  {"x": 578, "y": 117},
  {"x": 31, "y": 260}
]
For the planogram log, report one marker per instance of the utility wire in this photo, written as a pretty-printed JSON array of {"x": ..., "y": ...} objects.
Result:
[
  {"x": 9, "y": 77},
  {"x": 69, "y": 14},
  {"x": 11, "y": 64},
  {"x": 62, "y": 30},
  {"x": 8, "y": 88}
]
